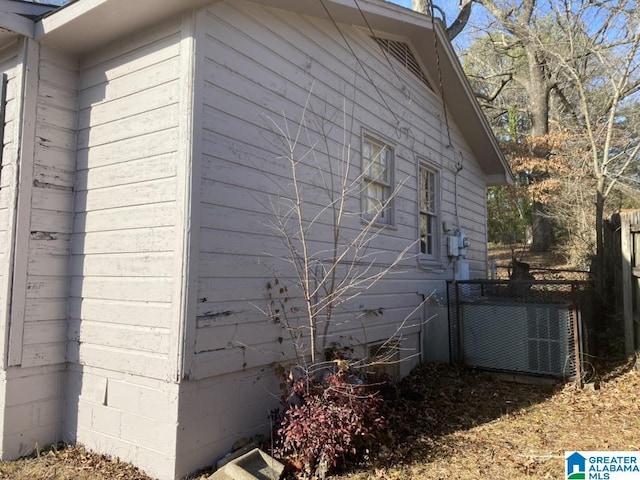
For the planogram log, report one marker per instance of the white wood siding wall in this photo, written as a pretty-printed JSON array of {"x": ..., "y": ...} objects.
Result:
[
  {"x": 46, "y": 97},
  {"x": 258, "y": 66},
  {"x": 9, "y": 65},
  {"x": 124, "y": 230},
  {"x": 45, "y": 317}
]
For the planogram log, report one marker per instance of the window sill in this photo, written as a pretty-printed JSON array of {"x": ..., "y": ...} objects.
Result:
[
  {"x": 431, "y": 264},
  {"x": 378, "y": 225}
]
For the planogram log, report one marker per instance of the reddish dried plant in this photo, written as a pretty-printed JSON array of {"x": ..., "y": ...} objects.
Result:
[{"x": 327, "y": 418}]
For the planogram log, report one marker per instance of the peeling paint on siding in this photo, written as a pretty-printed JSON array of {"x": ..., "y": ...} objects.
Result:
[
  {"x": 214, "y": 315},
  {"x": 40, "y": 184},
  {"x": 44, "y": 236}
]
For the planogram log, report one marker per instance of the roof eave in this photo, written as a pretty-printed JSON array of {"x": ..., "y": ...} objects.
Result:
[
  {"x": 99, "y": 22},
  {"x": 27, "y": 9},
  {"x": 16, "y": 23},
  {"x": 18, "y": 17},
  {"x": 461, "y": 102}
]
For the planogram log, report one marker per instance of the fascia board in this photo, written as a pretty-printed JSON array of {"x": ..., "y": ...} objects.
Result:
[
  {"x": 473, "y": 103},
  {"x": 85, "y": 24},
  {"x": 26, "y": 8},
  {"x": 460, "y": 99},
  {"x": 65, "y": 15},
  {"x": 497, "y": 179},
  {"x": 17, "y": 24}
]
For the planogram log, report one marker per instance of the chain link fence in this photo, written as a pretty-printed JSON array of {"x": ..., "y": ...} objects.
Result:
[{"x": 528, "y": 327}]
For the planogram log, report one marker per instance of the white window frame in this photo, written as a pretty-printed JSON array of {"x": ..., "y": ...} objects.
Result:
[
  {"x": 378, "y": 183},
  {"x": 429, "y": 212}
]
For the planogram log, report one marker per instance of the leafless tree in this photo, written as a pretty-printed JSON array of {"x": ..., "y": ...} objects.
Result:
[
  {"x": 600, "y": 59},
  {"x": 327, "y": 275},
  {"x": 457, "y": 26}
]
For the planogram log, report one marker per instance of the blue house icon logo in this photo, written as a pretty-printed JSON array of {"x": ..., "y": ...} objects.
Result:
[{"x": 576, "y": 467}]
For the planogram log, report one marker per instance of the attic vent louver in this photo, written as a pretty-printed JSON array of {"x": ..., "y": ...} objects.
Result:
[{"x": 402, "y": 52}]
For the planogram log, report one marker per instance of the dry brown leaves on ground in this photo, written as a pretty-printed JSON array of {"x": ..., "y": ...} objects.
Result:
[
  {"x": 448, "y": 423},
  {"x": 69, "y": 463},
  {"x": 465, "y": 425},
  {"x": 551, "y": 265}
]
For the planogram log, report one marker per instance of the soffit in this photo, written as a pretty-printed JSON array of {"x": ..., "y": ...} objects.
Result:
[{"x": 85, "y": 25}]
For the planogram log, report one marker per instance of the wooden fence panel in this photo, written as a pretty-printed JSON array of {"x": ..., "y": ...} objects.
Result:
[{"x": 630, "y": 246}]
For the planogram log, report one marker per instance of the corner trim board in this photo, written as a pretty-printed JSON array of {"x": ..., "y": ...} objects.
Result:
[{"x": 23, "y": 199}]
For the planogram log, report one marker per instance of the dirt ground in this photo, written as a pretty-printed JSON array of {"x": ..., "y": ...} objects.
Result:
[
  {"x": 467, "y": 425},
  {"x": 552, "y": 265},
  {"x": 69, "y": 463},
  {"x": 448, "y": 423}
]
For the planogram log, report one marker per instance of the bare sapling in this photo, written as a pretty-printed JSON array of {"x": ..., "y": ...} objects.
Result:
[
  {"x": 333, "y": 236},
  {"x": 329, "y": 242}
]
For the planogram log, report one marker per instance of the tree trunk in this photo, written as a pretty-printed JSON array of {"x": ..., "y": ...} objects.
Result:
[
  {"x": 598, "y": 319},
  {"x": 461, "y": 21},
  {"x": 538, "y": 93},
  {"x": 458, "y": 25},
  {"x": 420, "y": 6},
  {"x": 599, "y": 260},
  {"x": 541, "y": 231}
]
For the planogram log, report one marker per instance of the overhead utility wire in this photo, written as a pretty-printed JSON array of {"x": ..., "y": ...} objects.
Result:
[
  {"x": 386, "y": 56},
  {"x": 458, "y": 163},
  {"x": 359, "y": 62},
  {"x": 440, "y": 83}
]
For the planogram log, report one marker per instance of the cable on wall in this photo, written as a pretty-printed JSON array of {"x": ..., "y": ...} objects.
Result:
[
  {"x": 458, "y": 163},
  {"x": 344, "y": 38},
  {"x": 455, "y": 188},
  {"x": 405, "y": 90},
  {"x": 440, "y": 83}
]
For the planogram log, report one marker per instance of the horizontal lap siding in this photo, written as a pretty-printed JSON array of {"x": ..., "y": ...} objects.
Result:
[
  {"x": 261, "y": 65},
  {"x": 9, "y": 65},
  {"x": 44, "y": 337},
  {"x": 124, "y": 229},
  {"x": 33, "y": 402}
]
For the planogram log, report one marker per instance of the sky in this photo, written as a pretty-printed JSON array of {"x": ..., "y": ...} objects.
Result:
[
  {"x": 404, "y": 3},
  {"x": 451, "y": 9}
]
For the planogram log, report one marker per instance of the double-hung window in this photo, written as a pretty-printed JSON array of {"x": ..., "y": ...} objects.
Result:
[
  {"x": 428, "y": 211},
  {"x": 377, "y": 167}
]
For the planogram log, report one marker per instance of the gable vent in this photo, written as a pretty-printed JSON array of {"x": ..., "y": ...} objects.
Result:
[{"x": 402, "y": 52}]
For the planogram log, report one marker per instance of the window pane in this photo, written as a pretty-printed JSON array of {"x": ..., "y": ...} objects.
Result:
[
  {"x": 366, "y": 151},
  {"x": 375, "y": 198},
  {"x": 376, "y": 158},
  {"x": 377, "y": 164},
  {"x": 431, "y": 192},
  {"x": 383, "y": 162},
  {"x": 421, "y": 193},
  {"x": 428, "y": 207},
  {"x": 378, "y": 191},
  {"x": 427, "y": 234},
  {"x": 428, "y": 193}
]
